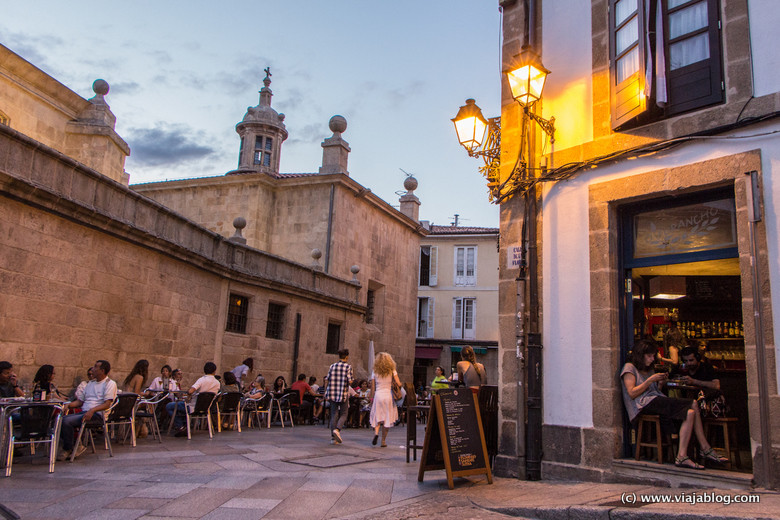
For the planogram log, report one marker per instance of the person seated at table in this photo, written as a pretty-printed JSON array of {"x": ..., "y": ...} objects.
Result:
[
  {"x": 9, "y": 385},
  {"x": 256, "y": 388},
  {"x": 207, "y": 383},
  {"x": 470, "y": 372},
  {"x": 96, "y": 397},
  {"x": 697, "y": 371},
  {"x": 313, "y": 384},
  {"x": 229, "y": 383},
  {"x": 439, "y": 380},
  {"x": 43, "y": 382},
  {"x": 280, "y": 385},
  {"x": 674, "y": 341},
  {"x": 135, "y": 380},
  {"x": 319, "y": 401},
  {"x": 82, "y": 385},
  {"x": 164, "y": 382},
  {"x": 242, "y": 370},
  {"x": 641, "y": 395},
  {"x": 178, "y": 378},
  {"x": 306, "y": 398}
]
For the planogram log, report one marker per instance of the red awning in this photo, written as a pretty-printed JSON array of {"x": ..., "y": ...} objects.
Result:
[{"x": 427, "y": 352}]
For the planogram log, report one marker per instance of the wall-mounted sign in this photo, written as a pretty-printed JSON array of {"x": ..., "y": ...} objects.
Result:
[
  {"x": 685, "y": 229},
  {"x": 514, "y": 255}
]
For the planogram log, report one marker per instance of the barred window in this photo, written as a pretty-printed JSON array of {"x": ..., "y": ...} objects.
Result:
[
  {"x": 275, "y": 325},
  {"x": 371, "y": 304},
  {"x": 238, "y": 310}
]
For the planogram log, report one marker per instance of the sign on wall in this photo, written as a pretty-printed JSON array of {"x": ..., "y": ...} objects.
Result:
[{"x": 514, "y": 255}]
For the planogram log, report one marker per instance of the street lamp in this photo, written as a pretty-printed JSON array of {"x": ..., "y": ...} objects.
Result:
[
  {"x": 526, "y": 83},
  {"x": 481, "y": 138}
]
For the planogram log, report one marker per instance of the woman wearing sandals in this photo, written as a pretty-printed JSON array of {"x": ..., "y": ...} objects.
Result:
[
  {"x": 383, "y": 410},
  {"x": 642, "y": 396}
]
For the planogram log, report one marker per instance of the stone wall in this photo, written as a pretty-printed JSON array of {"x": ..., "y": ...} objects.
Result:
[{"x": 90, "y": 269}]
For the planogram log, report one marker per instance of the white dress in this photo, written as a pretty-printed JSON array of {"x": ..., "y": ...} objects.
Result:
[{"x": 383, "y": 408}]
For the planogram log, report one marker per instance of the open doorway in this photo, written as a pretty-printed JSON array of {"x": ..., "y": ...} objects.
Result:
[{"x": 683, "y": 289}]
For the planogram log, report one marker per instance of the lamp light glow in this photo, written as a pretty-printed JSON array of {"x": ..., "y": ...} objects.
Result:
[
  {"x": 470, "y": 125},
  {"x": 527, "y": 81}
]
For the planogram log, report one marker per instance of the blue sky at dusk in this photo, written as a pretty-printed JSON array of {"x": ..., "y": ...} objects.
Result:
[{"x": 182, "y": 74}]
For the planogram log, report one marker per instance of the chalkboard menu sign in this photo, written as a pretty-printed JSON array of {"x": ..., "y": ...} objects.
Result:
[{"x": 454, "y": 439}]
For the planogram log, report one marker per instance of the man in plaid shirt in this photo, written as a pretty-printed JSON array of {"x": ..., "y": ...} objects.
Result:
[{"x": 337, "y": 392}]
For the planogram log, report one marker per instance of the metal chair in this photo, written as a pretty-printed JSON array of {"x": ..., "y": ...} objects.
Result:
[
  {"x": 38, "y": 423},
  {"x": 229, "y": 404},
  {"x": 290, "y": 399},
  {"x": 121, "y": 412},
  {"x": 146, "y": 411},
  {"x": 257, "y": 407},
  {"x": 201, "y": 411}
]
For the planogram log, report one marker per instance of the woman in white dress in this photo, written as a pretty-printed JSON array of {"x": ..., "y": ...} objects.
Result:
[{"x": 383, "y": 410}]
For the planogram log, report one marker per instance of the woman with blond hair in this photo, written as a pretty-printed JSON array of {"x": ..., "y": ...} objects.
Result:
[
  {"x": 383, "y": 410},
  {"x": 469, "y": 371}
]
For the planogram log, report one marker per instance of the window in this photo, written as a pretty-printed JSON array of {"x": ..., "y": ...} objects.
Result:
[
  {"x": 665, "y": 58},
  {"x": 334, "y": 338},
  {"x": 238, "y": 310},
  {"x": 463, "y": 310},
  {"x": 274, "y": 327},
  {"x": 428, "y": 260},
  {"x": 466, "y": 265},
  {"x": 263, "y": 152},
  {"x": 425, "y": 308},
  {"x": 370, "y": 304},
  {"x": 241, "y": 152}
]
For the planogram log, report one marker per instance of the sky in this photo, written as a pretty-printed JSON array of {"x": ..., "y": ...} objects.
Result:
[{"x": 182, "y": 75}]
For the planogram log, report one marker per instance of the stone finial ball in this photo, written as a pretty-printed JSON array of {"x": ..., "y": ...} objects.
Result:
[
  {"x": 100, "y": 86},
  {"x": 239, "y": 222},
  {"x": 410, "y": 183},
  {"x": 337, "y": 124},
  {"x": 354, "y": 269},
  {"x": 316, "y": 254}
]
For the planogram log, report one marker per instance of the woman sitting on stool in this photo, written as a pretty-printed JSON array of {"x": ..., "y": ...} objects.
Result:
[{"x": 642, "y": 396}]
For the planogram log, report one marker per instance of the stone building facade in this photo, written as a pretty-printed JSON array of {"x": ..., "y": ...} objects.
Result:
[
  {"x": 91, "y": 269},
  {"x": 457, "y": 299},
  {"x": 630, "y": 149}
]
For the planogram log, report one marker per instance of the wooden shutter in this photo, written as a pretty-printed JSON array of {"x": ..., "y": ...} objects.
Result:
[
  {"x": 627, "y": 94},
  {"x": 698, "y": 84},
  {"x": 469, "y": 325},
  {"x": 433, "y": 268},
  {"x": 457, "y": 318},
  {"x": 430, "y": 318}
]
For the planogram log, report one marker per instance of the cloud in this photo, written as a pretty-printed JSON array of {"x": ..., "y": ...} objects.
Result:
[
  {"x": 166, "y": 145},
  {"x": 27, "y": 46},
  {"x": 312, "y": 133},
  {"x": 125, "y": 87}
]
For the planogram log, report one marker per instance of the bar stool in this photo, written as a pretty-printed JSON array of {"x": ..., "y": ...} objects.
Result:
[
  {"x": 646, "y": 426},
  {"x": 728, "y": 426}
]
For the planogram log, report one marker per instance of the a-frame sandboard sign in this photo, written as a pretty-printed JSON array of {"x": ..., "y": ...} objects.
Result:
[{"x": 454, "y": 439}]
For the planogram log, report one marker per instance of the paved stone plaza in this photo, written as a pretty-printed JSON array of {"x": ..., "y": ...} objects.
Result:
[{"x": 297, "y": 473}]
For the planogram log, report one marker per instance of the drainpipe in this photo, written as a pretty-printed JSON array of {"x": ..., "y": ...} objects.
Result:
[
  {"x": 330, "y": 227},
  {"x": 754, "y": 216}
]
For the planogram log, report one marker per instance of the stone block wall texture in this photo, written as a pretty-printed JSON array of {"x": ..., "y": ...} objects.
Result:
[
  {"x": 39, "y": 106},
  {"x": 288, "y": 217},
  {"x": 89, "y": 269}
]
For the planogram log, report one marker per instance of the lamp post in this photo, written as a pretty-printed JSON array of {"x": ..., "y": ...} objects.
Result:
[{"x": 482, "y": 138}]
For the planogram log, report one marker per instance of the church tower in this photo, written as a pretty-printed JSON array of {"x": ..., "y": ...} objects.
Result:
[{"x": 262, "y": 131}]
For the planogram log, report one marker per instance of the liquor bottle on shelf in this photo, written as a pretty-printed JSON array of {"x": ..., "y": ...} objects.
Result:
[{"x": 731, "y": 330}]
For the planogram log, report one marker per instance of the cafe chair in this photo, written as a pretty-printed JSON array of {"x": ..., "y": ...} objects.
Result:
[
  {"x": 146, "y": 413},
  {"x": 728, "y": 429},
  {"x": 649, "y": 435},
  {"x": 229, "y": 405},
  {"x": 121, "y": 413},
  {"x": 255, "y": 408},
  {"x": 37, "y": 424},
  {"x": 201, "y": 412},
  {"x": 285, "y": 404}
]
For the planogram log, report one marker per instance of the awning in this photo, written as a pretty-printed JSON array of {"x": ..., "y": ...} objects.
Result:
[
  {"x": 427, "y": 352},
  {"x": 458, "y": 348}
]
